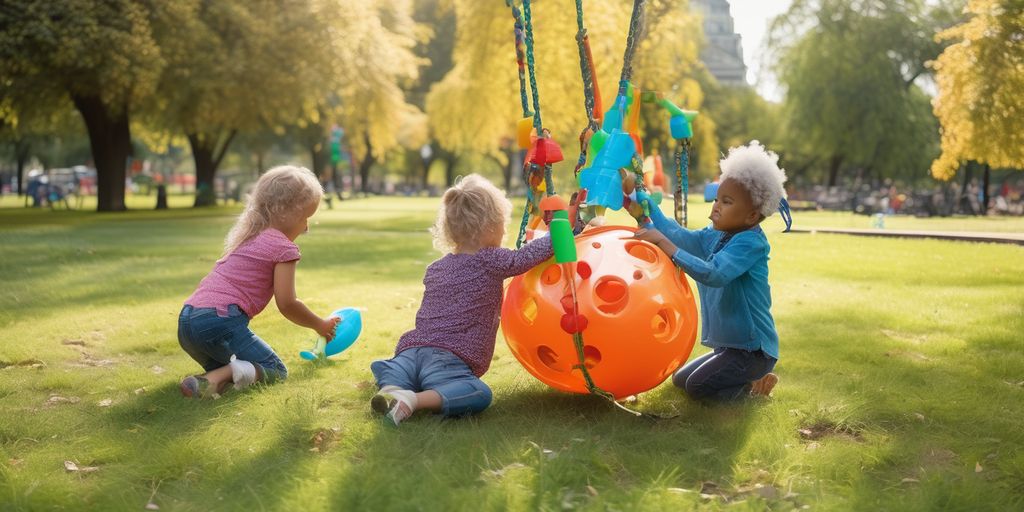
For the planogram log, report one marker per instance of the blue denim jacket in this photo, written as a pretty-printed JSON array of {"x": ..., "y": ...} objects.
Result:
[{"x": 732, "y": 279}]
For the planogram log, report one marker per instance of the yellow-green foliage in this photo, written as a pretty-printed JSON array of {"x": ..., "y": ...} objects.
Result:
[
  {"x": 981, "y": 83},
  {"x": 476, "y": 106}
]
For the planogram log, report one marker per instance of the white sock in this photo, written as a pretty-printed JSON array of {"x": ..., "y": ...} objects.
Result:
[
  {"x": 243, "y": 373},
  {"x": 402, "y": 395}
]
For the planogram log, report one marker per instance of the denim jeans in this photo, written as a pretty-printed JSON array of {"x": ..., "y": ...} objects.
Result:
[
  {"x": 430, "y": 368},
  {"x": 211, "y": 340},
  {"x": 723, "y": 375}
]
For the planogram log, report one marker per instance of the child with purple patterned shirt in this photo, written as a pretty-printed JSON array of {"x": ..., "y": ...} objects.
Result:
[{"x": 437, "y": 366}]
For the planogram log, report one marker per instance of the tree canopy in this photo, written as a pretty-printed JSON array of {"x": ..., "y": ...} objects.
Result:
[
  {"x": 980, "y": 78},
  {"x": 851, "y": 79}
]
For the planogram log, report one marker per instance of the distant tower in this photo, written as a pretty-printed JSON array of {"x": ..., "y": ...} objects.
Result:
[{"x": 723, "y": 54}]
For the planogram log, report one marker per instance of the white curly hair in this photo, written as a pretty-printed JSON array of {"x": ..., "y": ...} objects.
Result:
[{"x": 757, "y": 169}]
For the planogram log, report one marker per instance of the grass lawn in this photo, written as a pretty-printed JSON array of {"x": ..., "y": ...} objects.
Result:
[{"x": 902, "y": 383}]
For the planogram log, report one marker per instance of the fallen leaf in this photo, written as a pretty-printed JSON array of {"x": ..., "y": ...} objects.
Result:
[
  {"x": 140, "y": 390},
  {"x": 679, "y": 490},
  {"x": 80, "y": 343},
  {"x": 919, "y": 416},
  {"x": 977, "y": 467},
  {"x": 15, "y": 462},
  {"x": 501, "y": 472},
  {"x": 909, "y": 481},
  {"x": 106, "y": 402},
  {"x": 591, "y": 490},
  {"x": 57, "y": 399},
  {"x": 152, "y": 506},
  {"x": 72, "y": 467}
]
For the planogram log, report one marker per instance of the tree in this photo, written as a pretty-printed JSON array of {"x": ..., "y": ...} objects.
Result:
[
  {"x": 378, "y": 60},
  {"x": 980, "y": 80},
  {"x": 99, "y": 55},
  {"x": 238, "y": 65},
  {"x": 474, "y": 109},
  {"x": 852, "y": 98}
]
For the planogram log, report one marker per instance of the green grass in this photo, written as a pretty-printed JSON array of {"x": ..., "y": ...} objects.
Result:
[{"x": 901, "y": 361}]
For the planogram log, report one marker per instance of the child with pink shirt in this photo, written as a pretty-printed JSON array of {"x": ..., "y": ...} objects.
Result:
[{"x": 259, "y": 262}]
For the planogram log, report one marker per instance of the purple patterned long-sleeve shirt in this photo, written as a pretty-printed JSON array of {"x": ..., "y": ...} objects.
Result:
[{"x": 461, "y": 305}]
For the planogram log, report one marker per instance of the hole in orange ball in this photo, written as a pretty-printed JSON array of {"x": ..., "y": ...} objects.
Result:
[
  {"x": 663, "y": 324},
  {"x": 638, "y": 275},
  {"x": 551, "y": 275},
  {"x": 612, "y": 294},
  {"x": 529, "y": 310},
  {"x": 591, "y": 356},
  {"x": 548, "y": 357},
  {"x": 642, "y": 251},
  {"x": 596, "y": 245}
]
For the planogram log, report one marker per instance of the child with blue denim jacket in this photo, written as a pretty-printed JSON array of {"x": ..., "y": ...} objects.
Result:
[
  {"x": 437, "y": 365},
  {"x": 729, "y": 262}
]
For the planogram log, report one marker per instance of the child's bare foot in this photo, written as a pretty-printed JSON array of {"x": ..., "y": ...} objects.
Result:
[{"x": 764, "y": 385}]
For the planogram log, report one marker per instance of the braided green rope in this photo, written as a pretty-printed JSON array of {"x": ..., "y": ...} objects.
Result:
[
  {"x": 588, "y": 88},
  {"x": 577, "y": 340},
  {"x": 530, "y": 64},
  {"x": 682, "y": 181},
  {"x": 520, "y": 58},
  {"x": 521, "y": 237},
  {"x": 635, "y": 22}
]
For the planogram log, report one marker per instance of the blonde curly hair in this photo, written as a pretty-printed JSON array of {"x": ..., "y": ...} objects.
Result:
[
  {"x": 283, "y": 191},
  {"x": 471, "y": 210}
]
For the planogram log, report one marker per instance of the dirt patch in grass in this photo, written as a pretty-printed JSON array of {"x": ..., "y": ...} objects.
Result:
[
  {"x": 24, "y": 363},
  {"x": 824, "y": 428}
]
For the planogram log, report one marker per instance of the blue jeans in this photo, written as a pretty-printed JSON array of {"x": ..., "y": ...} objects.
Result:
[
  {"x": 723, "y": 375},
  {"x": 211, "y": 340},
  {"x": 429, "y": 368}
]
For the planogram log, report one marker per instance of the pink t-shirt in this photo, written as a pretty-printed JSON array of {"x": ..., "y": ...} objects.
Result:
[{"x": 246, "y": 276}]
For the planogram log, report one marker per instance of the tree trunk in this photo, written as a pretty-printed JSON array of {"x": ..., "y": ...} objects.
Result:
[
  {"x": 450, "y": 160},
  {"x": 986, "y": 180},
  {"x": 110, "y": 141},
  {"x": 364, "y": 167},
  {"x": 22, "y": 150},
  {"x": 963, "y": 202},
  {"x": 317, "y": 157},
  {"x": 833, "y": 170},
  {"x": 207, "y": 158}
]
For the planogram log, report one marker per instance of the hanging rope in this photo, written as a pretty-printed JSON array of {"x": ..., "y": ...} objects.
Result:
[
  {"x": 537, "y": 124},
  {"x": 520, "y": 57},
  {"x": 682, "y": 191},
  {"x": 635, "y": 27},
  {"x": 589, "y": 85}
]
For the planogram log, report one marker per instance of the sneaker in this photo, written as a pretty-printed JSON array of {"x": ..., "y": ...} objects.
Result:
[
  {"x": 390, "y": 405},
  {"x": 764, "y": 385},
  {"x": 194, "y": 386}
]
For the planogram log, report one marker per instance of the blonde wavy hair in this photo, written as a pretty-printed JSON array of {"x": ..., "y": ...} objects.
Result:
[
  {"x": 281, "y": 192},
  {"x": 471, "y": 210}
]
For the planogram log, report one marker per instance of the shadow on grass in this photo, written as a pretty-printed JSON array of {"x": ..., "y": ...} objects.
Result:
[
  {"x": 540, "y": 449},
  {"x": 175, "y": 449}
]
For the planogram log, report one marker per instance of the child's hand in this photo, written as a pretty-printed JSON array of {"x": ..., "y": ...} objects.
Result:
[
  {"x": 655, "y": 237},
  {"x": 327, "y": 327}
]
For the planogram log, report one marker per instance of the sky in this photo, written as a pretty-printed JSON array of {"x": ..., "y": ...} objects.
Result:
[{"x": 751, "y": 18}]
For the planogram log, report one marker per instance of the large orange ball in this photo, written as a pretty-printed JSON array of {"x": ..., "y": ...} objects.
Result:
[{"x": 641, "y": 319}]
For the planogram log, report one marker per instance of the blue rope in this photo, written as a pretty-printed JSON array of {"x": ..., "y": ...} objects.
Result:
[{"x": 787, "y": 215}]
